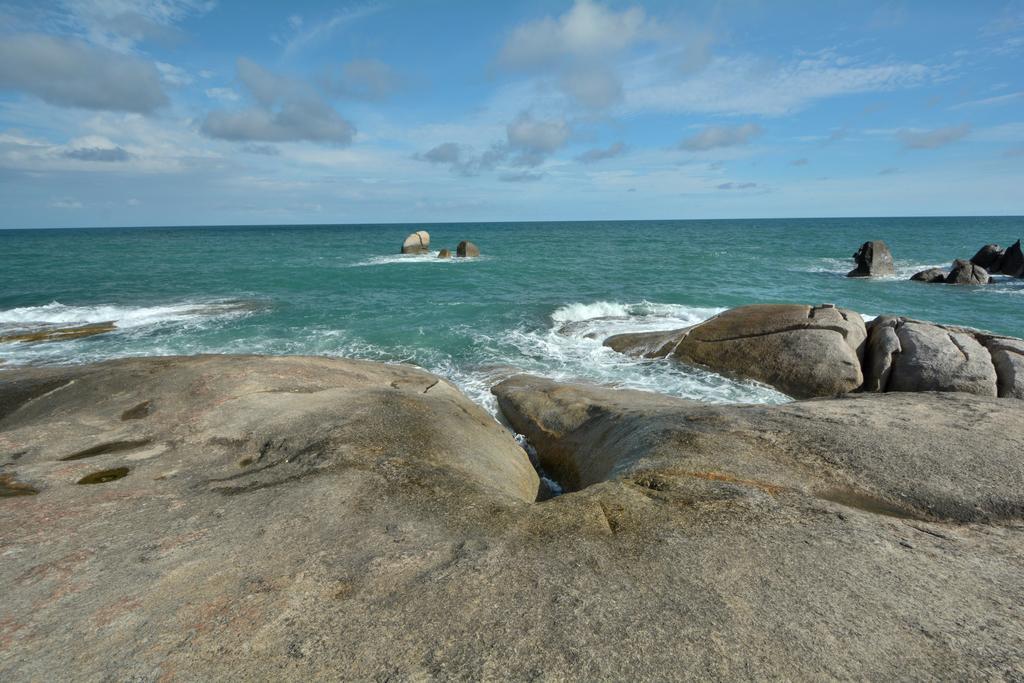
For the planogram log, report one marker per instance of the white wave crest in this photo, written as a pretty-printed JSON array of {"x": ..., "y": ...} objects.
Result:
[
  {"x": 56, "y": 313},
  {"x": 430, "y": 257}
]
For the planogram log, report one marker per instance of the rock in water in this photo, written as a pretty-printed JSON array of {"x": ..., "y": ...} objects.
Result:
[
  {"x": 873, "y": 260},
  {"x": 646, "y": 344},
  {"x": 417, "y": 243},
  {"x": 804, "y": 351},
  {"x": 967, "y": 273},
  {"x": 989, "y": 257},
  {"x": 1013, "y": 261},
  {"x": 444, "y": 253},
  {"x": 930, "y": 275},
  {"x": 467, "y": 249}
]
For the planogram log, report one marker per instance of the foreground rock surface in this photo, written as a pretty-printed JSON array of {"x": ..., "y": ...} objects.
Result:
[
  {"x": 805, "y": 351},
  {"x": 873, "y": 260},
  {"x": 293, "y": 518}
]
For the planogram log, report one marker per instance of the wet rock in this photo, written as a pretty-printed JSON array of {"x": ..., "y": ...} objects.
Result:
[
  {"x": 937, "y": 358},
  {"x": 804, "y": 351},
  {"x": 930, "y": 275},
  {"x": 444, "y": 253},
  {"x": 989, "y": 257},
  {"x": 417, "y": 243},
  {"x": 646, "y": 344},
  {"x": 466, "y": 249},
  {"x": 873, "y": 260},
  {"x": 58, "y": 333},
  {"x": 1013, "y": 261},
  {"x": 1008, "y": 360},
  {"x": 967, "y": 273}
]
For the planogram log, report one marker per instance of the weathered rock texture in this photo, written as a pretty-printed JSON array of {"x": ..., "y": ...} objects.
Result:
[
  {"x": 1008, "y": 359},
  {"x": 967, "y": 273},
  {"x": 417, "y": 243},
  {"x": 873, "y": 260},
  {"x": 989, "y": 257},
  {"x": 467, "y": 249},
  {"x": 310, "y": 519},
  {"x": 805, "y": 351}
]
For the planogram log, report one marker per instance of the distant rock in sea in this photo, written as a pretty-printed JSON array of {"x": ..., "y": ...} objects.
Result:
[
  {"x": 873, "y": 260},
  {"x": 417, "y": 243},
  {"x": 967, "y": 273},
  {"x": 932, "y": 275},
  {"x": 467, "y": 249}
]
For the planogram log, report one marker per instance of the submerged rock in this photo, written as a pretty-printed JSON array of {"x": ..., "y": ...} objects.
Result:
[
  {"x": 417, "y": 243},
  {"x": 59, "y": 333},
  {"x": 930, "y": 275},
  {"x": 873, "y": 260},
  {"x": 444, "y": 253},
  {"x": 967, "y": 273},
  {"x": 467, "y": 249},
  {"x": 646, "y": 344}
]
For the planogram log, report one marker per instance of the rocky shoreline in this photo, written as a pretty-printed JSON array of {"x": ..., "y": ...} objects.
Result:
[{"x": 260, "y": 517}]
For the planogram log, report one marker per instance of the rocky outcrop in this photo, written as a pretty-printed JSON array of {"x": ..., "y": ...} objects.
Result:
[
  {"x": 804, "y": 351},
  {"x": 444, "y": 253},
  {"x": 1013, "y": 261},
  {"x": 989, "y": 257},
  {"x": 873, "y": 260},
  {"x": 58, "y": 333},
  {"x": 967, "y": 273},
  {"x": 313, "y": 519},
  {"x": 911, "y": 355},
  {"x": 935, "y": 275},
  {"x": 1008, "y": 360},
  {"x": 467, "y": 249},
  {"x": 417, "y": 243}
]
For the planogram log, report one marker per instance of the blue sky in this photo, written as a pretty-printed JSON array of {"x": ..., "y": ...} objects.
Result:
[{"x": 193, "y": 112}]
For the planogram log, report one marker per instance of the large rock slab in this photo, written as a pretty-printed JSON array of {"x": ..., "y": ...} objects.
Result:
[
  {"x": 873, "y": 260},
  {"x": 937, "y": 358},
  {"x": 1013, "y": 261},
  {"x": 363, "y": 542},
  {"x": 1008, "y": 360},
  {"x": 989, "y": 257},
  {"x": 931, "y": 275},
  {"x": 804, "y": 351}
]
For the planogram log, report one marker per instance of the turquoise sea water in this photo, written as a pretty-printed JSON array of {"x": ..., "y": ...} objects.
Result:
[{"x": 540, "y": 299}]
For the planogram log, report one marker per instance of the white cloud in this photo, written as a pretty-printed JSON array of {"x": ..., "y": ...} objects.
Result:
[
  {"x": 743, "y": 86},
  {"x": 222, "y": 94},
  {"x": 596, "y": 87},
  {"x": 302, "y": 35},
  {"x": 173, "y": 75},
  {"x": 990, "y": 101},
  {"x": 714, "y": 137},
  {"x": 67, "y": 72},
  {"x": 600, "y": 154},
  {"x": 588, "y": 30},
  {"x": 367, "y": 79}
]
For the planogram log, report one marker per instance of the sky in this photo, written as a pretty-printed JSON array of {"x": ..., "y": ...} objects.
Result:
[{"x": 212, "y": 112}]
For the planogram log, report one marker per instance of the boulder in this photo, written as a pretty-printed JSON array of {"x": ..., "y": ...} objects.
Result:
[
  {"x": 314, "y": 519},
  {"x": 444, "y": 253},
  {"x": 882, "y": 344},
  {"x": 935, "y": 358},
  {"x": 930, "y": 275},
  {"x": 967, "y": 273},
  {"x": 873, "y": 260},
  {"x": 467, "y": 249},
  {"x": 989, "y": 257},
  {"x": 804, "y": 351},
  {"x": 1008, "y": 360},
  {"x": 1013, "y": 261},
  {"x": 417, "y": 243},
  {"x": 646, "y": 344}
]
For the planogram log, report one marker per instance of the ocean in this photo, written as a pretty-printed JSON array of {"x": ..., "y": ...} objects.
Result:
[{"x": 540, "y": 299}]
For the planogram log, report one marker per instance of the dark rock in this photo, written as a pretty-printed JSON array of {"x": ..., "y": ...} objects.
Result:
[
  {"x": 967, "y": 273},
  {"x": 1013, "y": 261},
  {"x": 467, "y": 249},
  {"x": 444, "y": 253},
  {"x": 873, "y": 260},
  {"x": 417, "y": 243},
  {"x": 930, "y": 275},
  {"x": 989, "y": 257}
]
